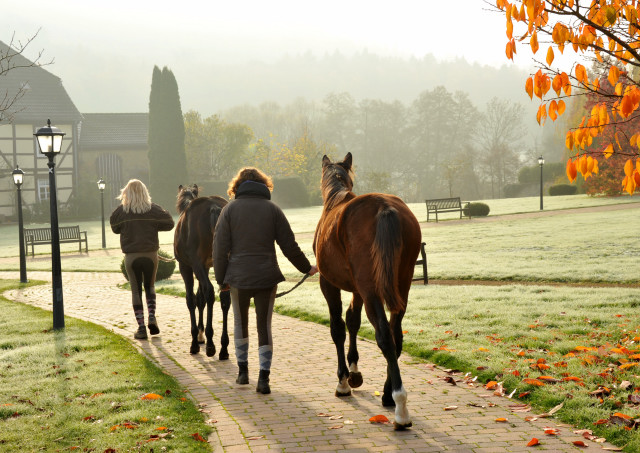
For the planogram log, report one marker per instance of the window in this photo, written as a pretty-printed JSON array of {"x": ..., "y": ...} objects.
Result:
[{"x": 43, "y": 189}]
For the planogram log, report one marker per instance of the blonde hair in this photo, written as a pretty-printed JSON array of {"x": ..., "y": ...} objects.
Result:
[
  {"x": 248, "y": 174},
  {"x": 135, "y": 197}
]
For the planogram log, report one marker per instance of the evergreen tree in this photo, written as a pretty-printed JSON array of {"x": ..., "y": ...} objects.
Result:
[{"x": 167, "y": 159}]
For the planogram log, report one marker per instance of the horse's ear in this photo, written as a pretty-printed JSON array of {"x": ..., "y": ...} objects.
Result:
[
  {"x": 195, "y": 188},
  {"x": 348, "y": 160},
  {"x": 179, "y": 187},
  {"x": 325, "y": 161}
]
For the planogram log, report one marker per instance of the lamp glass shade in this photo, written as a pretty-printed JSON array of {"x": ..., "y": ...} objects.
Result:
[
  {"x": 18, "y": 176},
  {"x": 540, "y": 160},
  {"x": 49, "y": 139},
  {"x": 101, "y": 184}
]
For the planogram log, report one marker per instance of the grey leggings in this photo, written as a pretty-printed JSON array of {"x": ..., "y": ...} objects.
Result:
[{"x": 141, "y": 269}]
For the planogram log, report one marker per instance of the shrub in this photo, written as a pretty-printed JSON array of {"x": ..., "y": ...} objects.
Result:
[
  {"x": 165, "y": 268},
  {"x": 476, "y": 210},
  {"x": 563, "y": 189}
]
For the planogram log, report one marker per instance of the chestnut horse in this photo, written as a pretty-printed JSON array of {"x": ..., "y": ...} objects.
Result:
[
  {"x": 192, "y": 247},
  {"x": 367, "y": 245}
]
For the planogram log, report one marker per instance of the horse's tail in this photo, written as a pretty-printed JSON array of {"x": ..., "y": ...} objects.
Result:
[
  {"x": 214, "y": 213},
  {"x": 386, "y": 254}
]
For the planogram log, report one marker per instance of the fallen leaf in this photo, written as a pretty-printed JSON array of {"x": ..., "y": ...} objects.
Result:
[
  {"x": 255, "y": 437},
  {"x": 161, "y": 428},
  {"x": 491, "y": 385},
  {"x": 322, "y": 414},
  {"x": 335, "y": 417},
  {"x": 551, "y": 431},
  {"x": 502, "y": 420},
  {"x": 579, "y": 443},
  {"x": 198, "y": 437},
  {"x": 533, "y": 442},
  {"x": 450, "y": 380},
  {"x": 450, "y": 408},
  {"x": 379, "y": 419},
  {"x": 336, "y": 427},
  {"x": 151, "y": 396}
]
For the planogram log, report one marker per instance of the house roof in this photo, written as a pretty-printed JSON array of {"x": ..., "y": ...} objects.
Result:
[
  {"x": 114, "y": 131},
  {"x": 44, "y": 96}
]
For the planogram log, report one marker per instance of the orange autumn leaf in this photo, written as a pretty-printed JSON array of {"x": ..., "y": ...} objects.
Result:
[
  {"x": 551, "y": 431},
  {"x": 529, "y": 87},
  {"x": 602, "y": 421},
  {"x": 379, "y": 419},
  {"x": 550, "y": 56},
  {"x": 533, "y": 442},
  {"x": 151, "y": 396},
  {"x": 502, "y": 420},
  {"x": 621, "y": 415},
  {"x": 198, "y": 437},
  {"x": 161, "y": 428},
  {"x": 579, "y": 443},
  {"x": 614, "y": 75},
  {"x": 533, "y": 382},
  {"x": 491, "y": 385}
]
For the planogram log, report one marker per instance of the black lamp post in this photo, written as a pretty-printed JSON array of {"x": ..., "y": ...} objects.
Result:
[
  {"x": 50, "y": 144},
  {"x": 541, "y": 163},
  {"x": 18, "y": 176},
  {"x": 101, "y": 186}
]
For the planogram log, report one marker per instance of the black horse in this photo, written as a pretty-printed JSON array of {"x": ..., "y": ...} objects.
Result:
[{"x": 192, "y": 247}]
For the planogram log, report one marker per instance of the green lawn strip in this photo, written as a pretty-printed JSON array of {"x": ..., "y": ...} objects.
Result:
[{"x": 82, "y": 387}]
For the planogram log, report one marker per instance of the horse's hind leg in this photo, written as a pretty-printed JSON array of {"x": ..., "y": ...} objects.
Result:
[
  {"x": 187, "y": 277},
  {"x": 353, "y": 318},
  {"x": 200, "y": 303},
  {"x": 394, "y": 393},
  {"x": 338, "y": 333},
  {"x": 225, "y": 303},
  {"x": 208, "y": 296}
]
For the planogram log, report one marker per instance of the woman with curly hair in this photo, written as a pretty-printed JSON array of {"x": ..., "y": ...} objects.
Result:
[
  {"x": 137, "y": 220},
  {"x": 244, "y": 260}
]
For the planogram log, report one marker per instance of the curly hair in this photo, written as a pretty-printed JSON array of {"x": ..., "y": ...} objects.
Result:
[
  {"x": 135, "y": 197},
  {"x": 248, "y": 174}
]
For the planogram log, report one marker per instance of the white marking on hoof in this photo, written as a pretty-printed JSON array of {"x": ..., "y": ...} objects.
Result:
[
  {"x": 200, "y": 336},
  {"x": 343, "y": 387},
  {"x": 402, "y": 413},
  {"x": 353, "y": 368}
]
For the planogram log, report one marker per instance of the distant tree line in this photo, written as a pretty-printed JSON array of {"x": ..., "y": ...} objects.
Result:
[{"x": 439, "y": 145}]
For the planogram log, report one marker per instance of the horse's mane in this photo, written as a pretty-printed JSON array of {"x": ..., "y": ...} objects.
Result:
[{"x": 336, "y": 185}]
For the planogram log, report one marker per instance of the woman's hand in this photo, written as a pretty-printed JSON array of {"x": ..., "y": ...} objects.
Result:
[{"x": 314, "y": 270}]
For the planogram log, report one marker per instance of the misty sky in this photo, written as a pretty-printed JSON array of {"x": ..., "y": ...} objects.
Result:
[{"x": 100, "y": 47}]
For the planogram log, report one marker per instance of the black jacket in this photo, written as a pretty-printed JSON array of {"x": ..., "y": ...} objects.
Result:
[
  {"x": 139, "y": 232},
  {"x": 244, "y": 254}
]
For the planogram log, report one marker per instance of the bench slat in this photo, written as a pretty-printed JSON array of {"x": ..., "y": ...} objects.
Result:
[{"x": 66, "y": 234}]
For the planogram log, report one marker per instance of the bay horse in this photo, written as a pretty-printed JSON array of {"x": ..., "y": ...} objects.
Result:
[
  {"x": 193, "y": 247},
  {"x": 366, "y": 245}
]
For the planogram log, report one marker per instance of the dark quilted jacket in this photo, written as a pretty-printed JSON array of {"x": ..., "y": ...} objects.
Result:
[{"x": 244, "y": 254}]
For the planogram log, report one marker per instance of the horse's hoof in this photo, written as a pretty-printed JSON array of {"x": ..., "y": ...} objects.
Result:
[
  {"x": 387, "y": 401},
  {"x": 355, "y": 379},
  {"x": 342, "y": 394},
  {"x": 194, "y": 349},
  {"x": 211, "y": 351},
  {"x": 401, "y": 427},
  {"x": 224, "y": 355}
]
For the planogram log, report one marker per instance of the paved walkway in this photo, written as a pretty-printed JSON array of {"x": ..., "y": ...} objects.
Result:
[{"x": 302, "y": 414}]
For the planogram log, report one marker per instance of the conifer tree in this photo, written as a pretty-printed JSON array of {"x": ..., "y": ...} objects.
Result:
[{"x": 167, "y": 160}]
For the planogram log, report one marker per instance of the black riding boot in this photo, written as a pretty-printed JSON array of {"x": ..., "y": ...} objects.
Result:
[
  {"x": 243, "y": 373},
  {"x": 263, "y": 382}
]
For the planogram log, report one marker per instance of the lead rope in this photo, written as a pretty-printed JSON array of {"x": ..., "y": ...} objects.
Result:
[{"x": 297, "y": 284}]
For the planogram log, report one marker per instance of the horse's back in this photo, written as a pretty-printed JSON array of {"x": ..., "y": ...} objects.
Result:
[
  {"x": 346, "y": 237},
  {"x": 194, "y": 230}
]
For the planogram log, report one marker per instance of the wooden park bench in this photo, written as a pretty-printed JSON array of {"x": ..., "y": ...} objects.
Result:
[
  {"x": 34, "y": 236},
  {"x": 423, "y": 262},
  {"x": 439, "y": 205}
]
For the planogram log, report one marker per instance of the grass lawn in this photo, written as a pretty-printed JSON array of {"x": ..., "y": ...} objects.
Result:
[{"x": 81, "y": 389}]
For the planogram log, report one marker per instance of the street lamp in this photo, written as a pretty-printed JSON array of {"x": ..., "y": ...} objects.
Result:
[
  {"x": 541, "y": 163},
  {"x": 101, "y": 186},
  {"x": 18, "y": 176},
  {"x": 50, "y": 143}
]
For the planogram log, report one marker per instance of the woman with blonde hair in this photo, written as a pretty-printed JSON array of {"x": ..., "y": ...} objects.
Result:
[
  {"x": 244, "y": 261},
  {"x": 137, "y": 220}
]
